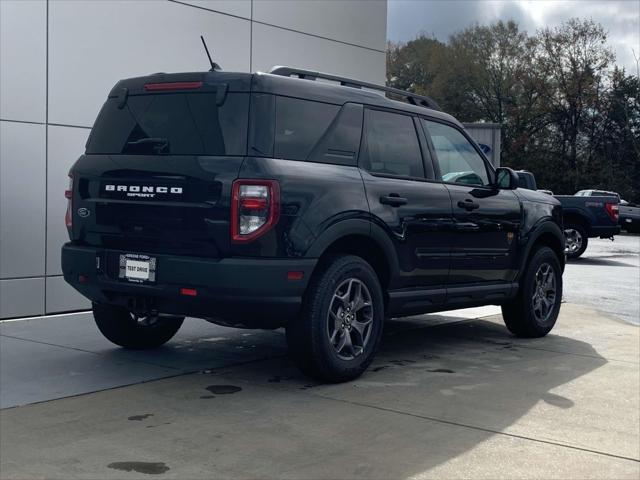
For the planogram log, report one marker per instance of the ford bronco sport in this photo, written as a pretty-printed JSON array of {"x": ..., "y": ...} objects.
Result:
[{"x": 300, "y": 200}]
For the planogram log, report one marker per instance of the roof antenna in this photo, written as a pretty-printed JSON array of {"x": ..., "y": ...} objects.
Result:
[{"x": 214, "y": 66}]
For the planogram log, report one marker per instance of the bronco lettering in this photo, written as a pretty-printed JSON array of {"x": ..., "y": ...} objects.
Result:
[{"x": 146, "y": 191}]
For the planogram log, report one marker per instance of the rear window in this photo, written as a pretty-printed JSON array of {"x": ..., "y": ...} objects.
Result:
[
  {"x": 172, "y": 124},
  {"x": 526, "y": 180},
  {"x": 599, "y": 193}
]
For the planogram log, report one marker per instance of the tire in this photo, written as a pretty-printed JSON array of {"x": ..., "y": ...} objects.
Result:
[
  {"x": 526, "y": 315},
  {"x": 119, "y": 326},
  {"x": 576, "y": 239},
  {"x": 320, "y": 347}
]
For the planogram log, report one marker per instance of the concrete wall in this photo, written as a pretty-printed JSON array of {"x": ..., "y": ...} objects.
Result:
[{"x": 59, "y": 59}]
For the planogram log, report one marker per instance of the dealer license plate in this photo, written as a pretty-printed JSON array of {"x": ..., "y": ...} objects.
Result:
[{"x": 137, "y": 268}]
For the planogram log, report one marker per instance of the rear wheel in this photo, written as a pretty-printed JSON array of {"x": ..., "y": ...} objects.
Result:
[
  {"x": 123, "y": 328},
  {"x": 534, "y": 311},
  {"x": 576, "y": 239},
  {"x": 337, "y": 335}
]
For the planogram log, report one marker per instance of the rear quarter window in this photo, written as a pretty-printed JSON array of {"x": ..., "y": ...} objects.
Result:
[{"x": 300, "y": 124}]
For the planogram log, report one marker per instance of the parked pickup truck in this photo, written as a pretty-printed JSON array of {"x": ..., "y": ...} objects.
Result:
[
  {"x": 587, "y": 214},
  {"x": 629, "y": 219},
  {"x": 629, "y": 213}
]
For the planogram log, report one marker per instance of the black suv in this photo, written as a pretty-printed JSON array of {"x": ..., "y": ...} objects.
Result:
[{"x": 300, "y": 200}]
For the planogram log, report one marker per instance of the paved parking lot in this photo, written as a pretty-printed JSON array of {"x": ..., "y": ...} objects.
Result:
[
  {"x": 448, "y": 396},
  {"x": 607, "y": 277}
]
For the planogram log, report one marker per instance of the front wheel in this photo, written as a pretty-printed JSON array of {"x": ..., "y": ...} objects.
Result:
[
  {"x": 534, "y": 311},
  {"x": 337, "y": 335},
  {"x": 575, "y": 240},
  {"x": 123, "y": 328}
]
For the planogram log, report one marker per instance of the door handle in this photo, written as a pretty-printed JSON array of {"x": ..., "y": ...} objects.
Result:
[
  {"x": 468, "y": 204},
  {"x": 393, "y": 199}
]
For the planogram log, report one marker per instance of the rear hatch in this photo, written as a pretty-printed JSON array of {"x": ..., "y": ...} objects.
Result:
[{"x": 159, "y": 164}]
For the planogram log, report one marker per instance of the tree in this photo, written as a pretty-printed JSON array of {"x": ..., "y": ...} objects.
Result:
[
  {"x": 574, "y": 59},
  {"x": 614, "y": 160},
  {"x": 413, "y": 66},
  {"x": 565, "y": 114},
  {"x": 495, "y": 79}
]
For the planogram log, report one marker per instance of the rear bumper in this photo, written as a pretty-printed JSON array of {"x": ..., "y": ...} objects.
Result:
[
  {"x": 633, "y": 222},
  {"x": 604, "y": 232},
  {"x": 252, "y": 292}
]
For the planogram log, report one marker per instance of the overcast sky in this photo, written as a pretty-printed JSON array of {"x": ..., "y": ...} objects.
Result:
[{"x": 440, "y": 18}]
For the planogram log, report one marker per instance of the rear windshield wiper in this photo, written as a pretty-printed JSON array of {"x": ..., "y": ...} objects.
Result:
[{"x": 158, "y": 144}]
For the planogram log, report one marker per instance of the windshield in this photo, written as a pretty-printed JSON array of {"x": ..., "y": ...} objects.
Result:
[{"x": 172, "y": 124}]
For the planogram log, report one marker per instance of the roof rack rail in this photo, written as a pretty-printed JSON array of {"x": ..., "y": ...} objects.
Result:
[{"x": 412, "y": 98}]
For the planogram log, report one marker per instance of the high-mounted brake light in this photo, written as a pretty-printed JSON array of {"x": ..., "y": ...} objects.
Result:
[
  {"x": 613, "y": 210},
  {"x": 68, "y": 217},
  {"x": 255, "y": 208},
  {"x": 154, "y": 87}
]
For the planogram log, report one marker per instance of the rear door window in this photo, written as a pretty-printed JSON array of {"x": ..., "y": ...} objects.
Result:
[
  {"x": 172, "y": 124},
  {"x": 300, "y": 124},
  {"x": 390, "y": 145}
]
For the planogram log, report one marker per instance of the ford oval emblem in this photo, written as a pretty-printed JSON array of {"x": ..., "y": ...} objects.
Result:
[{"x": 84, "y": 212}]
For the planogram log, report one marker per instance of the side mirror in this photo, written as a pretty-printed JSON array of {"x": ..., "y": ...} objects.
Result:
[{"x": 506, "y": 178}]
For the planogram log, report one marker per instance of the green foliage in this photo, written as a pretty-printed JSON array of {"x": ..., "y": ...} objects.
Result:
[{"x": 567, "y": 114}]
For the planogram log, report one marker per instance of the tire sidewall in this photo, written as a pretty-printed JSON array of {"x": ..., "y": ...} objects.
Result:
[
  {"x": 544, "y": 255},
  {"x": 307, "y": 339},
  {"x": 361, "y": 271},
  {"x": 585, "y": 240}
]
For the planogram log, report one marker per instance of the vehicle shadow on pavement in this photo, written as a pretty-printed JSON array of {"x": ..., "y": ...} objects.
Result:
[
  {"x": 600, "y": 261},
  {"x": 433, "y": 393}
]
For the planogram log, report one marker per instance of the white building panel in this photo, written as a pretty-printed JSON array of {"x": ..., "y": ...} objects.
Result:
[
  {"x": 94, "y": 44},
  {"x": 358, "y": 22},
  {"x": 62, "y": 297},
  {"x": 22, "y": 199},
  {"x": 23, "y": 47},
  {"x": 240, "y": 8},
  {"x": 275, "y": 46},
  {"x": 21, "y": 297}
]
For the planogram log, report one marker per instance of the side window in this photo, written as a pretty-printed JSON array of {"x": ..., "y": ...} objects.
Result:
[
  {"x": 391, "y": 145},
  {"x": 300, "y": 124},
  {"x": 459, "y": 162}
]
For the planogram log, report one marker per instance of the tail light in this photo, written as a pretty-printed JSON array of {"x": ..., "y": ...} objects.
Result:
[
  {"x": 613, "y": 210},
  {"x": 255, "y": 208},
  {"x": 68, "y": 218}
]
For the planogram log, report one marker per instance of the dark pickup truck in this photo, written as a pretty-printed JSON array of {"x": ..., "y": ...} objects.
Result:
[
  {"x": 629, "y": 219},
  {"x": 585, "y": 215},
  {"x": 628, "y": 213}
]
